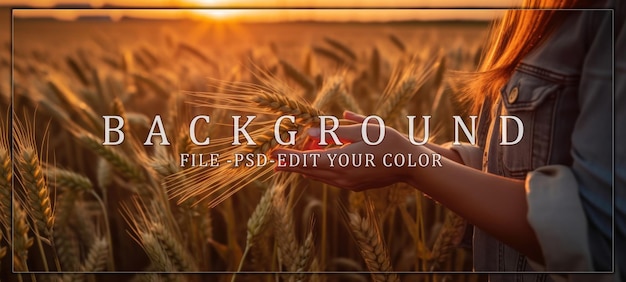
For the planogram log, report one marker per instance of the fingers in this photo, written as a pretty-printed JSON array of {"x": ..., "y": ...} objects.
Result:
[{"x": 346, "y": 134}]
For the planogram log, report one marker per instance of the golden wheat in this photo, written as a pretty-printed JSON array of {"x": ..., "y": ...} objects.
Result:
[
  {"x": 37, "y": 191},
  {"x": 369, "y": 238},
  {"x": 21, "y": 240},
  {"x": 136, "y": 81},
  {"x": 449, "y": 237},
  {"x": 6, "y": 175},
  {"x": 118, "y": 161}
]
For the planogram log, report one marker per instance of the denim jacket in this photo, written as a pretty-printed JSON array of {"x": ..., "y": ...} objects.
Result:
[{"x": 561, "y": 92}]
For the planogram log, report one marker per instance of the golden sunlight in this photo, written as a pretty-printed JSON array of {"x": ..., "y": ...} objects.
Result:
[
  {"x": 210, "y": 9},
  {"x": 218, "y": 14}
]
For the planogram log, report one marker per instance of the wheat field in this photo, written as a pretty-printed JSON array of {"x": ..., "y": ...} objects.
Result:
[{"x": 82, "y": 207}]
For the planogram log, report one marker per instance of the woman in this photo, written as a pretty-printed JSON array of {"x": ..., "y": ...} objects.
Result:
[{"x": 548, "y": 197}]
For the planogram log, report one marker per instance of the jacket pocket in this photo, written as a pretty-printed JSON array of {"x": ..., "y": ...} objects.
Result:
[{"x": 533, "y": 101}]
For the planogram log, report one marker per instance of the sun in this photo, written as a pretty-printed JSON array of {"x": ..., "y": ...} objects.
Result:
[
  {"x": 214, "y": 9},
  {"x": 218, "y": 14}
]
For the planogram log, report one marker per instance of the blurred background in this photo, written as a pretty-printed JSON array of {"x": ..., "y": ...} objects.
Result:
[{"x": 101, "y": 208}]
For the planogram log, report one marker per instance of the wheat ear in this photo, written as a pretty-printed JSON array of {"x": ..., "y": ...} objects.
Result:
[
  {"x": 368, "y": 237},
  {"x": 297, "y": 76},
  {"x": 284, "y": 105},
  {"x": 257, "y": 223},
  {"x": 65, "y": 239},
  {"x": 97, "y": 257},
  {"x": 21, "y": 240},
  {"x": 68, "y": 179},
  {"x": 37, "y": 192},
  {"x": 397, "y": 42},
  {"x": 449, "y": 237},
  {"x": 119, "y": 162},
  {"x": 284, "y": 231},
  {"x": 173, "y": 249},
  {"x": 305, "y": 256},
  {"x": 343, "y": 48}
]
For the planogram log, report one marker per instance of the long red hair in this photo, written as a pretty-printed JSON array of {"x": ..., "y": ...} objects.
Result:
[{"x": 511, "y": 39}]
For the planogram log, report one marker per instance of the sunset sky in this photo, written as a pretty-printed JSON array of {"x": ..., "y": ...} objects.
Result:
[{"x": 274, "y": 15}]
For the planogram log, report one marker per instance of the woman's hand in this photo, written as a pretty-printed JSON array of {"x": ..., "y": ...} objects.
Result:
[
  {"x": 493, "y": 203},
  {"x": 356, "y": 178}
]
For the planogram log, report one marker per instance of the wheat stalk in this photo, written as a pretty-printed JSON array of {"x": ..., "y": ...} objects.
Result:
[
  {"x": 65, "y": 239},
  {"x": 6, "y": 175},
  {"x": 21, "y": 241},
  {"x": 115, "y": 158},
  {"x": 157, "y": 236},
  {"x": 97, "y": 258},
  {"x": 407, "y": 80},
  {"x": 329, "y": 91},
  {"x": 284, "y": 231},
  {"x": 3, "y": 249},
  {"x": 37, "y": 191},
  {"x": 257, "y": 223},
  {"x": 343, "y": 48},
  {"x": 339, "y": 60},
  {"x": 449, "y": 237},
  {"x": 273, "y": 99},
  {"x": 265, "y": 143},
  {"x": 305, "y": 257},
  {"x": 368, "y": 237},
  {"x": 173, "y": 249},
  {"x": 375, "y": 67},
  {"x": 347, "y": 101},
  {"x": 397, "y": 42},
  {"x": 67, "y": 247},
  {"x": 103, "y": 175},
  {"x": 284, "y": 105},
  {"x": 260, "y": 216},
  {"x": 297, "y": 76},
  {"x": 69, "y": 180}
]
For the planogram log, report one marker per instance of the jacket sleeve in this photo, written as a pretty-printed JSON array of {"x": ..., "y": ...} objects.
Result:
[{"x": 471, "y": 155}]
